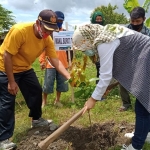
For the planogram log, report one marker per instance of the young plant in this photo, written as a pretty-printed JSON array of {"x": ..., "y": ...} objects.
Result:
[{"x": 84, "y": 87}]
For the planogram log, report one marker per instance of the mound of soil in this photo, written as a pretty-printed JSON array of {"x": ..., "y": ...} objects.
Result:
[{"x": 96, "y": 137}]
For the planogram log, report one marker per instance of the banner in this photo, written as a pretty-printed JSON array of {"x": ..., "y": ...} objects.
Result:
[{"x": 63, "y": 40}]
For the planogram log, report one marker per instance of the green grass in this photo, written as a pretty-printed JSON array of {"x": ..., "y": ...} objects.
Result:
[{"x": 103, "y": 111}]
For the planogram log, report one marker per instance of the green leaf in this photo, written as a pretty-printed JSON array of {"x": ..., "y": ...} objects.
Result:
[
  {"x": 78, "y": 94},
  {"x": 146, "y": 5},
  {"x": 147, "y": 23},
  {"x": 130, "y": 4},
  {"x": 82, "y": 84},
  {"x": 88, "y": 93},
  {"x": 93, "y": 79}
]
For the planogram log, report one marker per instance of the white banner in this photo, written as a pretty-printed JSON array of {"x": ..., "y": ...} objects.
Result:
[{"x": 63, "y": 40}]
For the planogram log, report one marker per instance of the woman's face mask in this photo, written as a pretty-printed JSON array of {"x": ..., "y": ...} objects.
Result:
[
  {"x": 100, "y": 23},
  {"x": 89, "y": 52}
]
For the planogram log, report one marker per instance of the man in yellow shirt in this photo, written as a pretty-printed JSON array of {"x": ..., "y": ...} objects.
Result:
[{"x": 22, "y": 45}]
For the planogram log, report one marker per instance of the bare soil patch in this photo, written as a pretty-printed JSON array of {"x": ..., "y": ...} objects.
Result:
[{"x": 96, "y": 137}]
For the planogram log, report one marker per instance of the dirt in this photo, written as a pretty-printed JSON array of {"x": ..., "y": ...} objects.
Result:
[{"x": 96, "y": 137}]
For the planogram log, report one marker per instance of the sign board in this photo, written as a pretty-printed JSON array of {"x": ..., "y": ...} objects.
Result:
[{"x": 63, "y": 40}]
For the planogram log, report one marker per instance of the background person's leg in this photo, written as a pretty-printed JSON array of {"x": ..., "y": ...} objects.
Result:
[
  {"x": 97, "y": 65},
  {"x": 126, "y": 102},
  {"x": 61, "y": 86},
  {"x": 44, "y": 101},
  {"x": 60, "y": 81},
  {"x": 48, "y": 87}
]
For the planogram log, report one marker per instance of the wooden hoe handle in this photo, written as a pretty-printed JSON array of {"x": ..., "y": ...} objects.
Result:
[{"x": 45, "y": 143}]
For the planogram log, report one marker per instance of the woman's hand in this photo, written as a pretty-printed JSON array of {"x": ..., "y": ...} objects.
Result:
[{"x": 89, "y": 104}]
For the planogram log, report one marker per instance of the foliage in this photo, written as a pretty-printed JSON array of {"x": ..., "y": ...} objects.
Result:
[
  {"x": 130, "y": 4},
  {"x": 146, "y": 5},
  {"x": 111, "y": 17},
  {"x": 85, "y": 91},
  {"x": 77, "y": 72},
  {"x": 6, "y": 19},
  {"x": 84, "y": 87},
  {"x": 147, "y": 22}
]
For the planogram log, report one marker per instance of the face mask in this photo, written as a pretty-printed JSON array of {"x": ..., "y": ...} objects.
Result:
[
  {"x": 45, "y": 35},
  {"x": 42, "y": 35},
  {"x": 100, "y": 23},
  {"x": 137, "y": 27},
  {"x": 89, "y": 52},
  {"x": 59, "y": 24}
]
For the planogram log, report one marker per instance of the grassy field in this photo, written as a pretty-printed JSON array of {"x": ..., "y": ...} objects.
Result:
[{"x": 104, "y": 111}]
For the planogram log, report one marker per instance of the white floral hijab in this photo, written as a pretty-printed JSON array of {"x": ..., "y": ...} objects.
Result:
[{"x": 89, "y": 36}]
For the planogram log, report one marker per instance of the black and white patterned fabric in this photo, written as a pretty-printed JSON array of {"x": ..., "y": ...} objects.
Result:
[{"x": 131, "y": 66}]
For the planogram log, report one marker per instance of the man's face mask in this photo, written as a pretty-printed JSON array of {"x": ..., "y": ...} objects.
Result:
[
  {"x": 89, "y": 52},
  {"x": 137, "y": 27},
  {"x": 41, "y": 33},
  {"x": 59, "y": 24}
]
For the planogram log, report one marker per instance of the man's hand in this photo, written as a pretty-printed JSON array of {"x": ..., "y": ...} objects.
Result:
[
  {"x": 42, "y": 66},
  {"x": 89, "y": 104},
  {"x": 12, "y": 85},
  {"x": 60, "y": 68},
  {"x": 13, "y": 88}
]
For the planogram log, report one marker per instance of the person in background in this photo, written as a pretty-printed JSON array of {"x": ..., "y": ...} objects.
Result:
[
  {"x": 137, "y": 18},
  {"x": 97, "y": 18},
  {"x": 22, "y": 45},
  {"x": 51, "y": 74},
  {"x": 125, "y": 55}
]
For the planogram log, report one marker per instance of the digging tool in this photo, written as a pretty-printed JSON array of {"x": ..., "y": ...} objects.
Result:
[
  {"x": 45, "y": 143},
  {"x": 109, "y": 88},
  {"x": 90, "y": 124}
]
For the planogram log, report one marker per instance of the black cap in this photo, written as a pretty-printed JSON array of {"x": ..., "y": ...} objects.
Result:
[{"x": 48, "y": 19}]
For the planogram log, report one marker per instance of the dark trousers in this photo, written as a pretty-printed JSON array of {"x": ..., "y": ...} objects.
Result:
[
  {"x": 142, "y": 125},
  {"x": 97, "y": 64},
  {"x": 32, "y": 93},
  {"x": 125, "y": 96}
]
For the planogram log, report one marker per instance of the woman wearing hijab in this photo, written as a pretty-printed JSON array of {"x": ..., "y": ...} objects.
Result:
[
  {"x": 125, "y": 55},
  {"x": 97, "y": 18}
]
